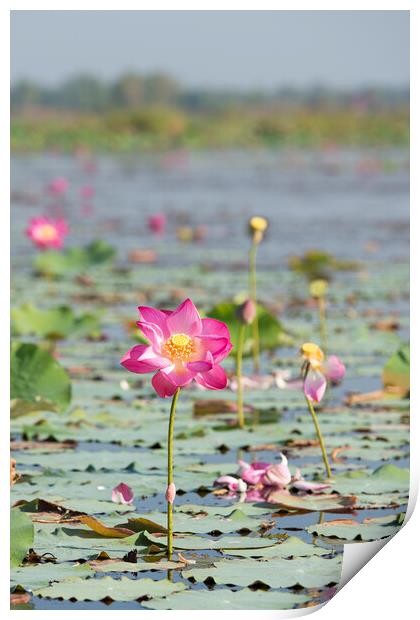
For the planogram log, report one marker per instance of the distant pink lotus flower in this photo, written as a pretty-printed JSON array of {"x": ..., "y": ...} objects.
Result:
[
  {"x": 183, "y": 347},
  {"x": 122, "y": 494},
  {"x": 157, "y": 223},
  {"x": 87, "y": 192},
  {"x": 58, "y": 186},
  {"x": 46, "y": 232},
  {"x": 334, "y": 369},
  {"x": 266, "y": 474}
]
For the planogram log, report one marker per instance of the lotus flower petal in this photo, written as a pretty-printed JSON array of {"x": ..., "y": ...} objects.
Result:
[{"x": 122, "y": 494}]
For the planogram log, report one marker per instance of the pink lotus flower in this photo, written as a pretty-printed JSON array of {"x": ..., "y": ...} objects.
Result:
[
  {"x": 183, "y": 347},
  {"x": 58, "y": 186},
  {"x": 157, "y": 223},
  {"x": 266, "y": 474},
  {"x": 87, "y": 192},
  {"x": 46, "y": 232},
  {"x": 334, "y": 369},
  {"x": 122, "y": 494}
]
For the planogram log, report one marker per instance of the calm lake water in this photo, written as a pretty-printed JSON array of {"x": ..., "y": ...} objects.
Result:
[{"x": 354, "y": 204}]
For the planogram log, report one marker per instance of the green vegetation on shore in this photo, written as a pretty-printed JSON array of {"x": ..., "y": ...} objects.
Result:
[{"x": 160, "y": 128}]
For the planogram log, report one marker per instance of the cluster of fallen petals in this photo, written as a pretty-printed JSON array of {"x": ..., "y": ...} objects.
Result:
[{"x": 257, "y": 481}]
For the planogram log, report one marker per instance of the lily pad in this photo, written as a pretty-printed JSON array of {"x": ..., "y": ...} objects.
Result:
[
  {"x": 21, "y": 536},
  {"x": 74, "y": 260},
  {"x": 396, "y": 372},
  {"x": 272, "y": 333},
  {"x": 350, "y": 530},
  {"x": 38, "y": 382},
  {"x": 53, "y": 323},
  {"x": 225, "y": 599},
  {"x": 311, "y": 572},
  {"x": 123, "y": 589}
]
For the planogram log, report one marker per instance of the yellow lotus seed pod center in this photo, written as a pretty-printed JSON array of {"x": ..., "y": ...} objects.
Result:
[{"x": 179, "y": 347}]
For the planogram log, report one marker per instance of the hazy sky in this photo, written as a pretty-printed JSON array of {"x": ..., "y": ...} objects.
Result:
[{"x": 240, "y": 49}]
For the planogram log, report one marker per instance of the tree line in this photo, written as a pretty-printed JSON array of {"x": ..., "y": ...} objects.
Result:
[{"x": 87, "y": 93}]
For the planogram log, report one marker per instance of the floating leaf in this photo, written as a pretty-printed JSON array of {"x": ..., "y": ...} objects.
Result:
[
  {"x": 21, "y": 536},
  {"x": 350, "y": 530},
  {"x": 311, "y": 572},
  {"x": 396, "y": 372},
  {"x": 225, "y": 599},
  {"x": 316, "y": 503},
  {"x": 104, "y": 530},
  {"x": 272, "y": 333},
  {"x": 318, "y": 264},
  {"x": 54, "y": 323},
  {"x": 38, "y": 382},
  {"x": 74, "y": 260},
  {"x": 123, "y": 589},
  {"x": 225, "y": 542}
]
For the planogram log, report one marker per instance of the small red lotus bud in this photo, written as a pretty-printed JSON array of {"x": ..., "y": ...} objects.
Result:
[
  {"x": 170, "y": 493},
  {"x": 248, "y": 312}
]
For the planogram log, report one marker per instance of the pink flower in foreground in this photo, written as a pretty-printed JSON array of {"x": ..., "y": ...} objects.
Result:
[
  {"x": 122, "y": 494},
  {"x": 334, "y": 369},
  {"x": 46, "y": 232},
  {"x": 157, "y": 223},
  {"x": 183, "y": 347},
  {"x": 58, "y": 186},
  {"x": 300, "y": 484}
]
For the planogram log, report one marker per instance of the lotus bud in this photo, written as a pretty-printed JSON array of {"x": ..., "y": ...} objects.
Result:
[
  {"x": 318, "y": 288},
  {"x": 247, "y": 312},
  {"x": 257, "y": 227},
  {"x": 170, "y": 493}
]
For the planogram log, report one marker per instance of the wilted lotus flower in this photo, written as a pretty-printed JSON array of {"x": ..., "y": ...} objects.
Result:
[
  {"x": 278, "y": 474},
  {"x": 58, "y": 186},
  {"x": 46, "y": 233},
  {"x": 122, "y": 494},
  {"x": 314, "y": 384},
  {"x": 157, "y": 223},
  {"x": 233, "y": 484},
  {"x": 252, "y": 473}
]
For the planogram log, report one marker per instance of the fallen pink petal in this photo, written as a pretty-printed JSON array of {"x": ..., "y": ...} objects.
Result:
[{"x": 122, "y": 494}]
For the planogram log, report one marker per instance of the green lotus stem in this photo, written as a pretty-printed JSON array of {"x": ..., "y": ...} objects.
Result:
[
  {"x": 320, "y": 438},
  {"x": 253, "y": 296},
  {"x": 170, "y": 469},
  {"x": 322, "y": 323},
  {"x": 239, "y": 391}
]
